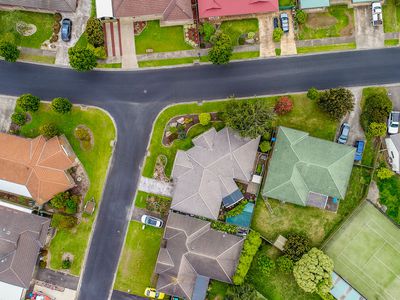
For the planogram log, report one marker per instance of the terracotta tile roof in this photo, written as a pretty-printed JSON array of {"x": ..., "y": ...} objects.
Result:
[
  {"x": 221, "y": 8},
  {"x": 38, "y": 164},
  {"x": 168, "y": 10},
  {"x": 54, "y": 5}
]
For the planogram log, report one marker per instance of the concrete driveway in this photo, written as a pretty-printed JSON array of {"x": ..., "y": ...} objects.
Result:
[
  {"x": 356, "y": 131},
  {"x": 57, "y": 278},
  {"x": 288, "y": 43},
  {"x": 394, "y": 95},
  {"x": 7, "y": 105},
  {"x": 266, "y": 28},
  {"x": 367, "y": 36}
]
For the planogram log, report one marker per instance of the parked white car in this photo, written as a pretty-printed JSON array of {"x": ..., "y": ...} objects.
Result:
[
  {"x": 376, "y": 14},
  {"x": 393, "y": 122},
  {"x": 152, "y": 221}
]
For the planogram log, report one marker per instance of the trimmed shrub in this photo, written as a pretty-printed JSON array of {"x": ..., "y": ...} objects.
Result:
[
  {"x": 57, "y": 17},
  {"x": 221, "y": 51},
  {"x": 376, "y": 109},
  {"x": 285, "y": 264},
  {"x": 207, "y": 30},
  {"x": 313, "y": 94},
  {"x": 61, "y": 105},
  {"x": 205, "y": 118},
  {"x": 384, "y": 173},
  {"x": 82, "y": 134},
  {"x": 277, "y": 35},
  {"x": 49, "y": 130},
  {"x": 266, "y": 136},
  {"x": 336, "y": 102},
  {"x": 66, "y": 264},
  {"x": 94, "y": 32},
  {"x": 82, "y": 59},
  {"x": 296, "y": 245},
  {"x": 56, "y": 27},
  {"x": 376, "y": 129},
  {"x": 54, "y": 38},
  {"x": 250, "y": 248},
  {"x": 9, "y": 51},
  {"x": 63, "y": 222},
  {"x": 301, "y": 16},
  {"x": 221, "y": 226},
  {"x": 283, "y": 105},
  {"x": 265, "y": 264},
  {"x": 265, "y": 146},
  {"x": 18, "y": 118},
  {"x": 28, "y": 102}
]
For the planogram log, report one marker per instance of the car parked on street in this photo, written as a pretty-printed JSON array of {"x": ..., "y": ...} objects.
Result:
[
  {"x": 344, "y": 133},
  {"x": 284, "y": 22},
  {"x": 276, "y": 23},
  {"x": 360, "y": 145},
  {"x": 152, "y": 293},
  {"x": 66, "y": 28},
  {"x": 393, "y": 122},
  {"x": 152, "y": 221}
]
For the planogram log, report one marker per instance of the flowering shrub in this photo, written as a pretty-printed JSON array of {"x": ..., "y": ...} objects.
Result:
[
  {"x": 283, "y": 106},
  {"x": 191, "y": 35}
]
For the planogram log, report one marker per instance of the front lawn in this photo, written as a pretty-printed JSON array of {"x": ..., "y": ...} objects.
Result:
[
  {"x": 304, "y": 116},
  {"x": 138, "y": 259},
  {"x": 337, "y": 21},
  {"x": 315, "y": 223},
  {"x": 42, "y": 21},
  {"x": 236, "y": 28},
  {"x": 326, "y": 48},
  {"x": 160, "y": 39},
  {"x": 95, "y": 162},
  {"x": 390, "y": 16}
]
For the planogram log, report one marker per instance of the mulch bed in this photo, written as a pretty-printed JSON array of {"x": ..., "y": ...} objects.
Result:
[
  {"x": 138, "y": 27},
  {"x": 193, "y": 35},
  {"x": 19, "y": 200}
]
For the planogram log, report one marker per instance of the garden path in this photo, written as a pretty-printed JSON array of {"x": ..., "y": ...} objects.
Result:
[{"x": 152, "y": 186}]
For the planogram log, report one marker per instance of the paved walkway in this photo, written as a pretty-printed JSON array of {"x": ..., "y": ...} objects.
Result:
[
  {"x": 152, "y": 186},
  {"x": 288, "y": 43},
  {"x": 7, "y": 105},
  {"x": 113, "y": 39},
  {"x": 129, "y": 59},
  {"x": 367, "y": 35},
  {"x": 57, "y": 278},
  {"x": 373, "y": 192},
  {"x": 79, "y": 19},
  {"x": 266, "y": 28}
]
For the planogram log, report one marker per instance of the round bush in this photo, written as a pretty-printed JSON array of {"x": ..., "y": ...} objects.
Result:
[
  {"x": 205, "y": 119},
  {"x": 313, "y": 94},
  {"x": 61, "y": 105},
  {"x": 9, "y": 51},
  {"x": 283, "y": 105},
  {"x": 49, "y": 130},
  {"x": 285, "y": 264},
  {"x": 266, "y": 136},
  {"x": 301, "y": 16},
  {"x": 384, "y": 173},
  {"x": 277, "y": 35},
  {"x": 82, "y": 59},
  {"x": 57, "y": 17},
  {"x": 82, "y": 134},
  {"x": 18, "y": 118},
  {"x": 265, "y": 146},
  {"x": 28, "y": 102},
  {"x": 66, "y": 264}
]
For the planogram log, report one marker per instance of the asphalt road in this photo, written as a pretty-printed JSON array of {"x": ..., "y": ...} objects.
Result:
[{"x": 135, "y": 98}]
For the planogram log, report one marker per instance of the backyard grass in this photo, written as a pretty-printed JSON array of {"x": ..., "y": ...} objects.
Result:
[
  {"x": 236, "y": 28},
  {"x": 315, "y": 223},
  {"x": 138, "y": 259},
  {"x": 304, "y": 116},
  {"x": 337, "y": 21},
  {"x": 392, "y": 42},
  {"x": 42, "y": 21},
  {"x": 160, "y": 39},
  {"x": 95, "y": 162},
  {"x": 37, "y": 58},
  {"x": 390, "y": 17},
  {"x": 326, "y": 48},
  {"x": 217, "y": 290},
  {"x": 389, "y": 191}
]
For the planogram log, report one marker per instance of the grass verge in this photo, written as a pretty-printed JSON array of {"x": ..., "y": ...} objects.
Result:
[
  {"x": 138, "y": 259},
  {"x": 95, "y": 162},
  {"x": 392, "y": 42},
  {"x": 326, "y": 48},
  {"x": 38, "y": 58},
  {"x": 109, "y": 66}
]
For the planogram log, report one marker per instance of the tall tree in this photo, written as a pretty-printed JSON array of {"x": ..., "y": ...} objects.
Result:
[
  {"x": 376, "y": 109},
  {"x": 336, "y": 102},
  {"x": 221, "y": 51},
  {"x": 82, "y": 59}
]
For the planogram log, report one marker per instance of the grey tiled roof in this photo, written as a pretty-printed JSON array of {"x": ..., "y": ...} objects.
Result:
[
  {"x": 193, "y": 249},
  {"x": 49, "y": 5},
  {"x": 205, "y": 174},
  {"x": 21, "y": 237}
]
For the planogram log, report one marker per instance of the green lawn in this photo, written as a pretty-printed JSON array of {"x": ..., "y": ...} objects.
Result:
[
  {"x": 109, "y": 66},
  {"x": 236, "y": 28},
  {"x": 42, "y": 21},
  {"x": 83, "y": 41},
  {"x": 286, "y": 2},
  {"x": 217, "y": 290},
  {"x": 138, "y": 259},
  {"x": 326, "y": 48},
  {"x": 390, "y": 17},
  {"x": 37, "y": 58},
  {"x": 315, "y": 223},
  {"x": 392, "y": 42},
  {"x": 389, "y": 190},
  {"x": 95, "y": 162},
  {"x": 160, "y": 39},
  {"x": 305, "y": 116},
  {"x": 337, "y": 21}
]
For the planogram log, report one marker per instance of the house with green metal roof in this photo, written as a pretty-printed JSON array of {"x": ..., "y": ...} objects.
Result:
[
  {"x": 310, "y": 4},
  {"x": 308, "y": 171}
]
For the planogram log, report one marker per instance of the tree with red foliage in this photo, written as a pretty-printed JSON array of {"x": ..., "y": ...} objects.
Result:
[{"x": 283, "y": 105}]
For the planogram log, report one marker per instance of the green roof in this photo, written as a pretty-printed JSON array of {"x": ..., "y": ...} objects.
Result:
[
  {"x": 301, "y": 164},
  {"x": 305, "y": 4}
]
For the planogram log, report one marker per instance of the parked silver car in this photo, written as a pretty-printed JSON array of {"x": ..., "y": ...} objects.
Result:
[
  {"x": 344, "y": 133},
  {"x": 284, "y": 22}
]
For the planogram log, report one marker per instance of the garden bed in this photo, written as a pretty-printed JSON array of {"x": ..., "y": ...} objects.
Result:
[
  {"x": 138, "y": 27},
  {"x": 237, "y": 28}
]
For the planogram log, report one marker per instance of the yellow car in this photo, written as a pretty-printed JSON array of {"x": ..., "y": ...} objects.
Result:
[{"x": 152, "y": 293}]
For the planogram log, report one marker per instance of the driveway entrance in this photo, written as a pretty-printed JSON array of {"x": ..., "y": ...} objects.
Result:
[
  {"x": 367, "y": 35},
  {"x": 7, "y": 105},
  {"x": 288, "y": 43},
  {"x": 266, "y": 27}
]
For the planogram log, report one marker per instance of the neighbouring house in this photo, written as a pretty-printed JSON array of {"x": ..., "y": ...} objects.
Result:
[
  {"x": 204, "y": 176},
  {"x": 393, "y": 151},
  {"x": 308, "y": 171},
  {"x": 22, "y": 235},
  {"x": 193, "y": 253},
  {"x": 41, "y": 5},
  {"x": 169, "y": 12},
  {"x": 214, "y": 9},
  {"x": 312, "y": 4},
  {"x": 35, "y": 168}
]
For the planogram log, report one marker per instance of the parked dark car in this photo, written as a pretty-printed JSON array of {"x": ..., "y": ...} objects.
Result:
[
  {"x": 66, "y": 28},
  {"x": 276, "y": 23},
  {"x": 344, "y": 133},
  {"x": 360, "y": 145},
  {"x": 284, "y": 22}
]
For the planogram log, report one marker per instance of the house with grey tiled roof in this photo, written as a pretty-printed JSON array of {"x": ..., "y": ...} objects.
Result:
[
  {"x": 42, "y": 5},
  {"x": 204, "y": 176},
  {"x": 193, "y": 254},
  {"x": 22, "y": 235}
]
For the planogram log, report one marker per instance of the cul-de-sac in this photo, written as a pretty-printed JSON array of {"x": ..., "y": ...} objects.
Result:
[{"x": 199, "y": 149}]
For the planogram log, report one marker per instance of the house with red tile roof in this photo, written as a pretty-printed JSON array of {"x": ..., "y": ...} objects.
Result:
[{"x": 35, "y": 168}]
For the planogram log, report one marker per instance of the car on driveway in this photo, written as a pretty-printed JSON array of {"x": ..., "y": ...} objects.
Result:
[
  {"x": 360, "y": 145},
  {"x": 66, "y": 28},
  {"x": 284, "y": 22},
  {"x": 344, "y": 133},
  {"x": 152, "y": 221},
  {"x": 152, "y": 293},
  {"x": 276, "y": 23},
  {"x": 393, "y": 122}
]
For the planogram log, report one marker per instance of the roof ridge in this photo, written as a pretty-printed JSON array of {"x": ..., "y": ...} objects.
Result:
[
  {"x": 330, "y": 174},
  {"x": 306, "y": 135},
  {"x": 302, "y": 179}
]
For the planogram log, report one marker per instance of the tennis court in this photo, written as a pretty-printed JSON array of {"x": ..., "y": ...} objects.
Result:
[{"x": 366, "y": 253}]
